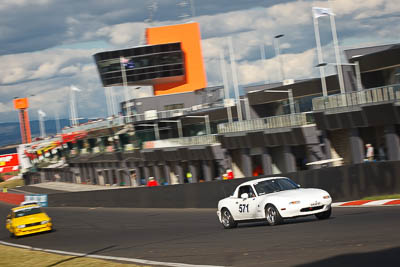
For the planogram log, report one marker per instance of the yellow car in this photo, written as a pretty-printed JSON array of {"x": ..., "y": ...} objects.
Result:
[{"x": 28, "y": 219}]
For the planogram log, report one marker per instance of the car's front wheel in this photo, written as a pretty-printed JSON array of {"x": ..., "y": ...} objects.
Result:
[
  {"x": 272, "y": 215},
  {"x": 324, "y": 215},
  {"x": 227, "y": 219}
]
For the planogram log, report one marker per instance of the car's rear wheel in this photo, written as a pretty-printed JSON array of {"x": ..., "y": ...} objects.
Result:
[
  {"x": 227, "y": 219},
  {"x": 272, "y": 215},
  {"x": 324, "y": 215}
]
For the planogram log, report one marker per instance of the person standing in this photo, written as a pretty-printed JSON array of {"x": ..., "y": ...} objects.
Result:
[
  {"x": 152, "y": 182},
  {"x": 369, "y": 155},
  {"x": 229, "y": 172}
]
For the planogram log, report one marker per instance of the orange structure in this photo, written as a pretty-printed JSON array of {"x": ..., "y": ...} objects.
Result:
[
  {"x": 189, "y": 36},
  {"x": 22, "y": 105}
]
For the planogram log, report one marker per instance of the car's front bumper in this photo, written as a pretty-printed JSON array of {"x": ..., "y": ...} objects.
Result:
[
  {"x": 298, "y": 210},
  {"x": 32, "y": 229}
]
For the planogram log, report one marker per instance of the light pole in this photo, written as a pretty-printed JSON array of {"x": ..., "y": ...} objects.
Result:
[
  {"x": 207, "y": 121},
  {"x": 262, "y": 52},
  {"x": 321, "y": 12},
  {"x": 357, "y": 70},
  {"x": 277, "y": 53},
  {"x": 290, "y": 96},
  {"x": 179, "y": 122}
]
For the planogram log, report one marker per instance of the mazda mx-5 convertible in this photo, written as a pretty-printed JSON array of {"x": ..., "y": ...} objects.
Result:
[{"x": 272, "y": 199}]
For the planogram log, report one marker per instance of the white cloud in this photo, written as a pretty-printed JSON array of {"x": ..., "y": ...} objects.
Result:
[
  {"x": 48, "y": 73},
  {"x": 39, "y": 65},
  {"x": 5, "y": 4}
]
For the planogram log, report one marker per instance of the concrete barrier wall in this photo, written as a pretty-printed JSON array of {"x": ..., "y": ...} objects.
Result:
[{"x": 344, "y": 183}]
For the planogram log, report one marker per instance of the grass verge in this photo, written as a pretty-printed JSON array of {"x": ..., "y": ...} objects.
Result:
[
  {"x": 13, "y": 257},
  {"x": 12, "y": 183},
  {"x": 395, "y": 196}
]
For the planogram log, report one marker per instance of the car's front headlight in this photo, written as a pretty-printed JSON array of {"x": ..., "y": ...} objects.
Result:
[
  {"x": 326, "y": 197},
  {"x": 44, "y": 222},
  {"x": 21, "y": 226},
  {"x": 294, "y": 202}
]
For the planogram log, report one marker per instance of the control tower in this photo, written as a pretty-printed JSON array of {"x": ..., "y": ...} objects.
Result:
[{"x": 22, "y": 105}]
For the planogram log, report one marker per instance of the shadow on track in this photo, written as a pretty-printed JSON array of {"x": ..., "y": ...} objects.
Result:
[
  {"x": 72, "y": 258},
  {"x": 387, "y": 257},
  {"x": 303, "y": 220}
]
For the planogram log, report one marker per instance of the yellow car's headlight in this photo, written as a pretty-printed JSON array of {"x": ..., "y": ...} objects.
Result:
[
  {"x": 44, "y": 222},
  {"x": 21, "y": 226}
]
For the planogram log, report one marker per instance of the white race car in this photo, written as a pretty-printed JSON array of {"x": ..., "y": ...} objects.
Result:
[{"x": 272, "y": 199}]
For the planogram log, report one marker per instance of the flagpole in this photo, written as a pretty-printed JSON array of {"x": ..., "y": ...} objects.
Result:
[
  {"x": 125, "y": 84},
  {"x": 74, "y": 108},
  {"x": 113, "y": 106},
  {"x": 70, "y": 108},
  {"x": 41, "y": 124},
  {"x": 124, "y": 80},
  {"x": 320, "y": 57},
  {"x": 107, "y": 93},
  {"x": 235, "y": 79},
  {"x": 225, "y": 81},
  {"x": 57, "y": 122}
]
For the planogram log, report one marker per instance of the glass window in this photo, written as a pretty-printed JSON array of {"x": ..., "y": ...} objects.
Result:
[
  {"x": 275, "y": 185},
  {"x": 246, "y": 189},
  {"x": 27, "y": 211},
  {"x": 174, "y": 106}
]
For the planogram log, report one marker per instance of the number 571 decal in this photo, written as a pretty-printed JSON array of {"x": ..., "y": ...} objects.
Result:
[{"x": 244, "y": 208}]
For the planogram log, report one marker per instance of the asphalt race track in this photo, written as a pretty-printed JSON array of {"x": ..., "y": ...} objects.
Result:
[{"x": 351, "y": 237}]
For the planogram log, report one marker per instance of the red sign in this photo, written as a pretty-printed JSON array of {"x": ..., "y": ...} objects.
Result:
[{"x": 9, "y": 160}]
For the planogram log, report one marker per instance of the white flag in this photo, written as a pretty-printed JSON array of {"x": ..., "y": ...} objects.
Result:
[
  {"x": 74, "y": 88},
  {"x": 41, "y": 113},
  {"x": 322, "y": 11}
]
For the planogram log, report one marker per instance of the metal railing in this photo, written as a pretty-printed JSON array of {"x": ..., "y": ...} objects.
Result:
[
  {"x": 289, "y": 120},
  {"x": 184, "y": 141},
  {"x": 117, "y": 121},
  {"x": 389, "y": 93},
  {"x": 165, "y": 114}
]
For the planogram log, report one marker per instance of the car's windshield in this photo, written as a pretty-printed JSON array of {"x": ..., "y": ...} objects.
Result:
[
  {"x": 275, "y": 185},
  {"x": 27, "y": 211}
]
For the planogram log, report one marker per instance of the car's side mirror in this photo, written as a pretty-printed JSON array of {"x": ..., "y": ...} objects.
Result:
[
  {"x": 8, "y": 217},
  {"x": 244, "y": 196},
  {"x": 298, "y": 185}
]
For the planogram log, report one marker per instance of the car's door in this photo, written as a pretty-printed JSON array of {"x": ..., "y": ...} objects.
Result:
[{"x": 245, "y": 208}]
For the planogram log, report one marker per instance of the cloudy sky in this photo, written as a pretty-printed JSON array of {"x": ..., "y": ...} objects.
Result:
[{"x": 47, "y": 45}]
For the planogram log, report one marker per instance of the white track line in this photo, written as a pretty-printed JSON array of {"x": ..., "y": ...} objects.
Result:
[{"x": 173, "y": 264}]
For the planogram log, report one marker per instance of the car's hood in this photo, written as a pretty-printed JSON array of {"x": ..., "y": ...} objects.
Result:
[
  {"x": 300, "y": 194},
  {"x": 31, "y": 219}
]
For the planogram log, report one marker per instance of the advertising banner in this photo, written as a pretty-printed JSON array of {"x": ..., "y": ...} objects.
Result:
[
  {"x": 9, "y": 160},
  {"x": 40, "y": 199}
]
